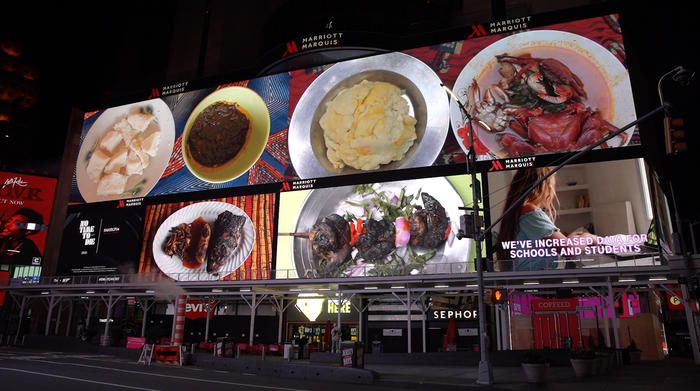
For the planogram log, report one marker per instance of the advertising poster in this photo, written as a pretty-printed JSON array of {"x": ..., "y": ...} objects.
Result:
[
  {"x": 227, "y": 238},
  {"x": 573, "y": 220},
  {"x": 219, "y": 239},
  {"x": 534, "y": 94},
  {"x": 26, "y": 202},
  {"x": 380, "y": 229},
  {"x": 101, "y": 241}
]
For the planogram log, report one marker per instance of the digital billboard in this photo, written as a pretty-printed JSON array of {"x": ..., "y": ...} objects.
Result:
[
  {"x": 540, "y": 92},
  {"x": 396, "y": 228},
  {"x": 225, "y": 238},
  {"x": 573, "y": 220},
  {"x": 350, "y": 169},
  {"x": 26, "y": 202}
]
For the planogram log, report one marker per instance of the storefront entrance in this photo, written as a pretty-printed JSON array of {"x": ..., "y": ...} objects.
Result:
[{"x": 315, "y": 332}]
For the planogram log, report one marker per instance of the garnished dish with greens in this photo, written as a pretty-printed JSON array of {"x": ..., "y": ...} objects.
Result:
[{"x": 379, "y": 232}]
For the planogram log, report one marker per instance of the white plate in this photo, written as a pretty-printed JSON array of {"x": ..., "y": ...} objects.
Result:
[
  {"x": 151, "y": 175},
  {"x": 596, "y": 60},
  {"x": 209, "y": 211}
]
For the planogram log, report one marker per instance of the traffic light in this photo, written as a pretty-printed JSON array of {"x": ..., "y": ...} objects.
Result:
[
  {"x": 499, "y": 296},
  {"x": 674, "y": 132}
]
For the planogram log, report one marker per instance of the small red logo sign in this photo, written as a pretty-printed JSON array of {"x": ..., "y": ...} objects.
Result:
[
  {"x": 496, "y": 165},
  {"x": 290, "y": 49},
  {"x": 477, "y": 31}
]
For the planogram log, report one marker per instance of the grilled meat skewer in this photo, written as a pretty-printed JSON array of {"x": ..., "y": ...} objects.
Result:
[
  {"x": 377, "y": 240},
  {"x": 429, "y": 224},
  {"x": 330, "y": 240}
]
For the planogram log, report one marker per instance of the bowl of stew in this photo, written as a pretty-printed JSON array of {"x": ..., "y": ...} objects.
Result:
[{"x": 225, "y": 134}]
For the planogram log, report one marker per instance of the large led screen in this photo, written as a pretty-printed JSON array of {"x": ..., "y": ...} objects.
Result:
[
  {"x": 26, "y": 202},
  {"x": 356, "y": 168},
  {"x": 399, "y": 228},
  {"x": 573, "y": 220},
  {"x": 540, "y": 92},
  {"x": 225, "y": 238}
]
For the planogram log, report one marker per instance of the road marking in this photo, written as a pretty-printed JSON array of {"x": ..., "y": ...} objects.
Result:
[
  {"x": 77, "y": 379},
  {"x": 173, "y": 377}
]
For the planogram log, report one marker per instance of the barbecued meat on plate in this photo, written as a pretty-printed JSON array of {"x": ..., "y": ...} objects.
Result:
[
  {"x": 377, "y": 240},
  {"x": 179, "y": 241},
  {"x": 330, "y": 240},
  {"x": 228, "y": 230},
  {"x": 429, "y": 224}
]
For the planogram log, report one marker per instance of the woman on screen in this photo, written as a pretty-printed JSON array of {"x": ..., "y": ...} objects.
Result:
[{"x": 531, "y": 219}]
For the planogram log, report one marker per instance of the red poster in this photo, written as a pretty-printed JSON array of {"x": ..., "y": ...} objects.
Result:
[
  {"x": 25, "y": 209},
  {"x": 555, "y": 304}
]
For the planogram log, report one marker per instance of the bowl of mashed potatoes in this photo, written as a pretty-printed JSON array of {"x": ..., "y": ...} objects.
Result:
[{"x": 382, "y": 112}]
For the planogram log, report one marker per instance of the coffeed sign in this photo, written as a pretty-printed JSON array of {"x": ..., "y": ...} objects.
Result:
[{"x": 467, "y": 314}]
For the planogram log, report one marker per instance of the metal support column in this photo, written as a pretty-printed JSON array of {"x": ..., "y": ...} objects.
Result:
[
  {"x": 22, "y": 307},
  {"x": 692, "y": 327},
  {"x": 253, "y": 305},
  {"x": 280, "y": 319},
  {"x": 498, "y": 326},
  {"x": 615, "y": 324},
  {"x": 425, "y": 345},
  {"x": 409, "y": 306},
  {"x": 361, "y": 310},
  {"x": 70, "y": 318},
  {"x": 110, "y": 302},
  {"x": 88, "y": 308},
  {"x": 209, "y": 304},
  {"x": 253, "y": 308},
  {"x": 339, "y": 305},
  {"x": 408, "y": 318},
  {"x": 51, "y": 302},
  {"x": 606, "y": 323},
  {"x": 58, "y": 317},
  {"x": 145, "y": 307},
  {"x": 280, "y": 307},
  {"x": 172, "y": 329}
]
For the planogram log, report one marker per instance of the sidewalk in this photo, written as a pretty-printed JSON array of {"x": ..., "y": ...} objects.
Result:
[{"x": 672, "y": 375}]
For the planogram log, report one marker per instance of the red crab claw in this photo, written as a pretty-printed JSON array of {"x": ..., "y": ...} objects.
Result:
[
  {"x": 559, "y": 73},
  {"x": 594, "y": 128}
]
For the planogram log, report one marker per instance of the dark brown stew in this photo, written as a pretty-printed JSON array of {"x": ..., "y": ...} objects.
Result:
[{"x": 218, "y": 134}]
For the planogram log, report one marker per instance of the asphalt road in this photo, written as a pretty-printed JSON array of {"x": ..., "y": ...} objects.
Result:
[{"x": 55, "y": 371}]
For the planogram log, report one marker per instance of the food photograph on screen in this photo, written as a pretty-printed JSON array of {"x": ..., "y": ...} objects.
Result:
[
  {"x": 539, "y": 92},
  {"x": 548, "y": 90},
  {"x": 378, "y": 229},
  {"x": 226, "y": 238}
]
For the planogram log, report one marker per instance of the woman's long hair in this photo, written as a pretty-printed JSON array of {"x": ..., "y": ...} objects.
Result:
[{"x": 543, "y": 196}]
